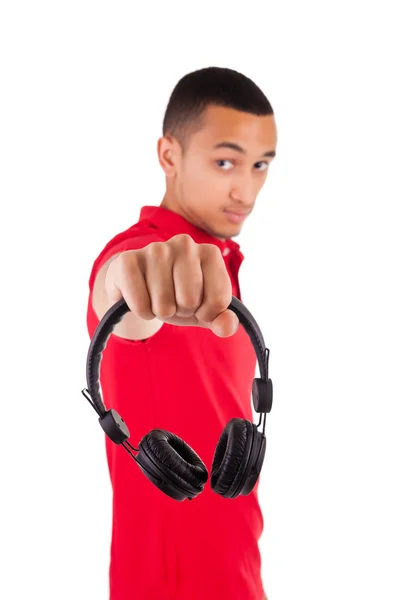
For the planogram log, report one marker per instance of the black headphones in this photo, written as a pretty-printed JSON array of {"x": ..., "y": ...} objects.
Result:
[{"x": 169, "y": 462}]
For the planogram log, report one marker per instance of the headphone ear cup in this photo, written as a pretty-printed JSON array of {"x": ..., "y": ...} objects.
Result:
[
  {"x": 171, "y": 464},
  {"x": 256, "y": 463},
  {"x": 231, "y": 457}
]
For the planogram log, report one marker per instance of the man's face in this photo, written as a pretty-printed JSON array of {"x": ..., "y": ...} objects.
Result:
[{"x": 212, "y": 183}]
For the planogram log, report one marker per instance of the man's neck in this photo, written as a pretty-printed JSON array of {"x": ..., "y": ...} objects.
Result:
[{"x": 171, "y": 204}]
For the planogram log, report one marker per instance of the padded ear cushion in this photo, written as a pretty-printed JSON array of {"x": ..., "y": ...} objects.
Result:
[
  {"x": 177, "y": 461},
  {"x": 231, "y": 456},
  {"x": 256, "y": 463}
]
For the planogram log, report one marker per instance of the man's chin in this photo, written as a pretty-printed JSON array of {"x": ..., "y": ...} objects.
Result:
[{"x": 228, "y": 232}]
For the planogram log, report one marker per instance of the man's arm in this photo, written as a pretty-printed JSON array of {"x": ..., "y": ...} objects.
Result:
[{"x": 130, "y": 327}]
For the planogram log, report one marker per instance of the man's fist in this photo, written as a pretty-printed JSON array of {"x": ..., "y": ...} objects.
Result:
[{"x": 178, "y": 282}]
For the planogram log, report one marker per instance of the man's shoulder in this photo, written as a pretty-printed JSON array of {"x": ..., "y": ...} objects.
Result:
[
  {"x": 142, "y": 230},
  {"x": 134, "y": 237}
]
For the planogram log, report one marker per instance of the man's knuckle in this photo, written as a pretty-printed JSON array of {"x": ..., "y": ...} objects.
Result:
[
  {"x": 182, "y": 240},
  {"x": 189, "y": 302},
  {"x": 220, "y": 303},
  {"x": 210, "y": 251},
  {"x": 157, "y": 250}
]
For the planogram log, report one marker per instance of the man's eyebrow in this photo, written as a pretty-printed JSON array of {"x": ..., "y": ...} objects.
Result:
[{"x": 238, "y": 148}]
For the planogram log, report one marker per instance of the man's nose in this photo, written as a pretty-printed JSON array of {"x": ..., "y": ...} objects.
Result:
[{"x": 244, "y": 193}]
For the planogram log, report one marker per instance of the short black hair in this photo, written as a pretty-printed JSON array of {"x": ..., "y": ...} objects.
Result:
[{"x": 216, "y": 86}]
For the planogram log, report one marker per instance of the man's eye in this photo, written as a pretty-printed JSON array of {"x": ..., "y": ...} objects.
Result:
[
  {"x": 266, "y": 165},
  {"x": 224, "y": 161}
]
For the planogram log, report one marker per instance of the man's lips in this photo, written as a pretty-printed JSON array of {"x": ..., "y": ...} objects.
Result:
[{"x": 236, "y": 216}]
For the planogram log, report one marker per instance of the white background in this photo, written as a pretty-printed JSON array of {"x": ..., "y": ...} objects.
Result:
[{"x": 84, "y": 86}]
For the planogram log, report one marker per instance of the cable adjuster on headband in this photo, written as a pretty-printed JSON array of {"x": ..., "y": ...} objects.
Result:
[{"x": 111, "y": 422}]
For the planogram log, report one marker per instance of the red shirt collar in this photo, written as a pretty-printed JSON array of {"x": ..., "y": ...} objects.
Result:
[{"x": 172, "y": 222}]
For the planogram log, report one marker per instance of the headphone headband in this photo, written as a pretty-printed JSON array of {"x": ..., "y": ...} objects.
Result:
[{"x": 115, "y": 314}]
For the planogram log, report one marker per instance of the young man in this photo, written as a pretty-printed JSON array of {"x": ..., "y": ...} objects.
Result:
[{"x": 179, "y": 360}]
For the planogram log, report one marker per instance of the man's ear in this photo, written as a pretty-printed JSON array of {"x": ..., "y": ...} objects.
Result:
[{"x": 168, "y": 155}]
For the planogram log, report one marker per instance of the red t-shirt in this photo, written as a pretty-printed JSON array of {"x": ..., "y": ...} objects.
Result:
[{"x": 191, "y": 382}]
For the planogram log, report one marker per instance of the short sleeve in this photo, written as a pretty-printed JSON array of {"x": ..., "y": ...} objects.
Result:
[
  {"x": 120, "y": 243},
  {"x": 129, "y": 243}
]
